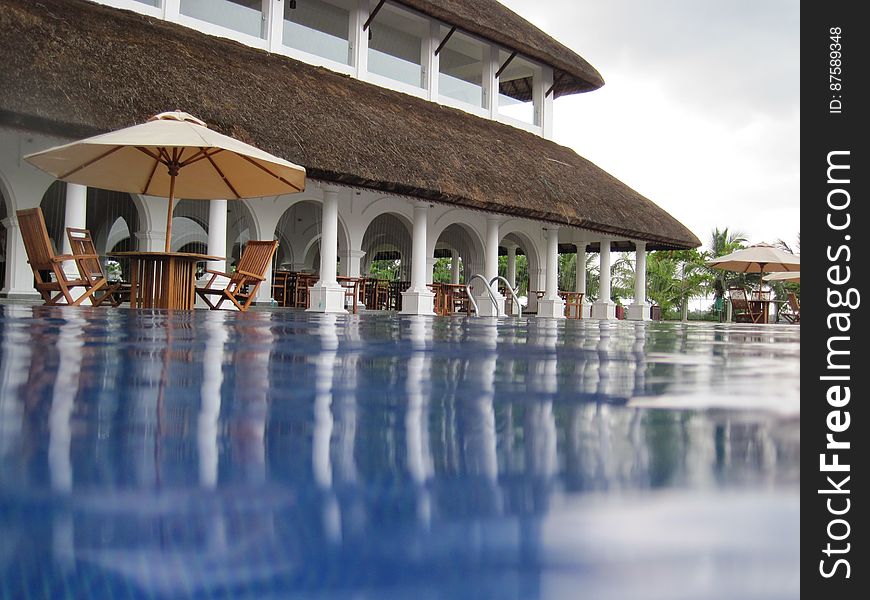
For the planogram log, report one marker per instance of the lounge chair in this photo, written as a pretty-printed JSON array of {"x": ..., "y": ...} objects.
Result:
[
  {"x": 51, "y": 281},
  {"x": 89, "y": 266},
  {"x": 244, "y": 283},
  {"x": 742, "y": 307}
]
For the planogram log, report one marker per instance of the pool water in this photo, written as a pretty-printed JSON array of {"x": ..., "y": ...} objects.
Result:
[{"x": 283, "y": 454}]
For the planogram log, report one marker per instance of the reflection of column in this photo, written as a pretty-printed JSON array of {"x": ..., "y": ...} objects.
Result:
[
  {"x": 454, "y": 266},
  {"x": 490, "y": 270},
  {"x": 420, "y": 462},
  {"x": 66, "y": 385},
  {"x": 551, "y": 305},
  {"x": 418, "y": 300},
  {"x": 321, "y": 462},
  {"x": 478, "y": 414},
  {"x": 540, "y": 426},
  {"x": 75, "y": 215},
  {"x": 604, "y": 308},
  {"x": 639, "y": 309},
  {"x": 15, "y": 359},
  {"x": 210, "y": 398},
  {"x": 326, "y": 295}
]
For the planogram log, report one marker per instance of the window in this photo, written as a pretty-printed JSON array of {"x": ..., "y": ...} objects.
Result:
[
  {"x": 244, "y": 16},
  {"x": 515, "y": 89},
  {"x": 461, "y": 62},
  {"x": 319, "y": 27},
  {"x": 396, "y": 45},
  {"x": 150, "y": 2}
]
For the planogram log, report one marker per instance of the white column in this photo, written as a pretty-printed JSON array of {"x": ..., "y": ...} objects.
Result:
[
  {"x": 217, "y": 233},
  {"x": 19, "y": 275},
  {"x": 75, "y": 215},
  {"x": 490, "y": 270},
  {"x": 326, "y": 295},
  {"x": 551, "y": 305},
  {"x": 351, "y": 261},
  {"x": 639, "y": 309},
  {"x": 418, "y": 300},
  {"x": 454, "y": 266},
  {"x": 512, "y": 264},
  {"x": 604, "y": 308},
  {"x": 359, "y": 39},
  {"x": 580, "y": 277},
  {"x": 430, "y": 59}
]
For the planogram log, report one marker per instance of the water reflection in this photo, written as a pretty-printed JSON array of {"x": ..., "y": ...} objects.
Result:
[{"x": 199, "y": 453}]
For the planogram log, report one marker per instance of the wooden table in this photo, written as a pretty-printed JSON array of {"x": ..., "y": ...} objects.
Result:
[
  {"x": 573, "y": 304},
  {"x": 163, "y": 279},
  {"x": 764, "y": 307},
  {"x": 354, "y": 287}
]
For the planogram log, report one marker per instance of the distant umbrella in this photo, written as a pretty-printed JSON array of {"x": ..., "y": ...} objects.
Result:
[
  {"x": 760, "y": 258},
  {"x": 785, "y": 276}
]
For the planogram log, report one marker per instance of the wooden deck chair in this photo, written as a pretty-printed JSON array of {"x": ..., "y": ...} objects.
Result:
[
  {"x": 52, "y": 282},
  {"x": 89, "y": 266},
  {"x": 244, "y": 283},
  {"x": 742, "y": 307},
  {"x": 794, "y": 314}
]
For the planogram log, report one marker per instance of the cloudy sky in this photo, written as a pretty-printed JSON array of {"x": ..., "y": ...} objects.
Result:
[{"x": 700, "y": 110}]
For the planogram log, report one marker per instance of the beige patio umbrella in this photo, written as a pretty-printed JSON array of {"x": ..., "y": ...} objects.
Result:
[
  {"x": 172, "y": 155},
  {"x": 760, "y": 258},
  {"x": 784, "y": 276}
]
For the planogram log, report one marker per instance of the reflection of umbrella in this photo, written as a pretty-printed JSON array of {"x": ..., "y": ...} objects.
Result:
[
  {"x": 795, "y": 276},
  {"x": 760, "y": 258},
  {"x": 200, "y": 164}
]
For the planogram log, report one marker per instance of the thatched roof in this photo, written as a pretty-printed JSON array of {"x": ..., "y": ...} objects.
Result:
[
  {"x": 493, "y": 21},
  {"x": 74, "y": 68}
]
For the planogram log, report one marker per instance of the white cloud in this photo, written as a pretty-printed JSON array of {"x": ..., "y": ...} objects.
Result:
[{"x": 701, "y": 107}]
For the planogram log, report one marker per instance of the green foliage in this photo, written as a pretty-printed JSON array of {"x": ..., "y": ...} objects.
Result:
[
  {"x": 385, "y": 269},
  {"x": 522, "y": 272}
]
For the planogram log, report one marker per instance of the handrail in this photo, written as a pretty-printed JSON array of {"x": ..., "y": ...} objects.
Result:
[
  {"x": 488, "y": 289},
  {"x": 514, "y": 295}
]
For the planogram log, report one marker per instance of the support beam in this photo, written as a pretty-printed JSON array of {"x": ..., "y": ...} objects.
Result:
[
  {"x": 419, "y": 300},
  {"x": 326, "y": 295},
  {"x": 639, "y": 309},
  {"x": 373, "y": 14},
  {"x": 552, "y": 306}
]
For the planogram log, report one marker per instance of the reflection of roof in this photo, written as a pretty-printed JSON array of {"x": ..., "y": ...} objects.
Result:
[
  {"x": 74, "y": 68},
  {"x": 493, "y": 21}
]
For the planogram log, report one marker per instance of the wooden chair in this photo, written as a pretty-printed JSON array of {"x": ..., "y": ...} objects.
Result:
[
  {"x": 742, "y": 307},
  {"x": 794, "y": 305},
  {"x": 302, "y": 289},
  {"x": 89, "y": 266},
  {"x": 244, "y": 283},
  {"x": 52, "y": 282}
]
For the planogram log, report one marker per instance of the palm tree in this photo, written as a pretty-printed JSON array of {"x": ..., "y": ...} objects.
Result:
[{"x": 723, "y": 242}]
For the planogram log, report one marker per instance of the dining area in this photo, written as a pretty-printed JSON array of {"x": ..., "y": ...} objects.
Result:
[
  {"x": 172, "y": 155},
  {"x": 759, "y": 304}
]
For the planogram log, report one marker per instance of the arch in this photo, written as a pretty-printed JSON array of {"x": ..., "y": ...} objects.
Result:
[
  {"x": 187, "y": 231},
  {"x": 465, "y": 240},
  {"x": 401, "y": 209},
  {"x": 512, "y": 231},
  {"x": 298, "y": 231},
  {"x": 387, "y": 232}
]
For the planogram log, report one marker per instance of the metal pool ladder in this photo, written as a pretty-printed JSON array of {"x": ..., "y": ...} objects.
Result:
[{"x": 513, "y": 293}]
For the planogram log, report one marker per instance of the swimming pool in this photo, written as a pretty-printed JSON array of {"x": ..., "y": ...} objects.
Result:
[{"x": 284, "y": 454}]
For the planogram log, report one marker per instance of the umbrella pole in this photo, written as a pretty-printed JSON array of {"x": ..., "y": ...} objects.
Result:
[{"x": 169, "y": 211}]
